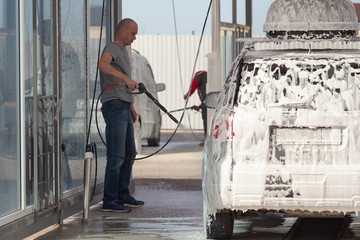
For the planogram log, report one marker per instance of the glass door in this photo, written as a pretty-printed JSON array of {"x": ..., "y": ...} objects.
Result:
[{"x": 41, "y": 106}]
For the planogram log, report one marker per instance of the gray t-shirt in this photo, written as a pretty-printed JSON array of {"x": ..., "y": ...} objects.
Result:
[{"x": 121, "y": 63}]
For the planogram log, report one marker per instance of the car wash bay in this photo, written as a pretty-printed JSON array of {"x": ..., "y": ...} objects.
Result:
[{"x": 170, "y": 185}]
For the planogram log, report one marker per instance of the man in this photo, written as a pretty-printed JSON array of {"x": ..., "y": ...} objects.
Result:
[
  {"x": 199, "y": 83},
  {"x": 119, "y": 114}
]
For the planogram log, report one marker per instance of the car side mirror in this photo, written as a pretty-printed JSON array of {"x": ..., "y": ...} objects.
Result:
[
  {"x": 160, "y": 87},
  {"x": 211, "y": 99}
]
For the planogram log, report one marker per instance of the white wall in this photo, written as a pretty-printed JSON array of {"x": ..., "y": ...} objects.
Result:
[{"x": 161, "y": 52}]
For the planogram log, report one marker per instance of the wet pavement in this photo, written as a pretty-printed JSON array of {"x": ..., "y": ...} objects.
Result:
[
  {"x": 172, "y": 210},
  {"x": 170, "y": 185}
]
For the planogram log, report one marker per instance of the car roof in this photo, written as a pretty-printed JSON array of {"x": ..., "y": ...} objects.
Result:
[
  {"x": 300, "y": 54},
  {"x": 262, "y": 48}
]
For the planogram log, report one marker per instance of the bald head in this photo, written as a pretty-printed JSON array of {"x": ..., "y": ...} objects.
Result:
[
  {"x": 126, "y": 32},
  {"x": 125, "y": 23}
]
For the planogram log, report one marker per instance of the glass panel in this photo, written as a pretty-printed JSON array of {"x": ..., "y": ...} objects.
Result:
[
  {"x": 38, "y": 72},
  {"x": 226, "y": 11},
  {"x": 45, "y": 134},
  {"x": 28, "y": 73},
  {"x": 73, "y": 80},
  {"x": 45, "y": 49},
  {"x": 9, "y": 109},
  {"x": 241, "y": 12},
  {"x": 227, "y": 48},
  {"x": 95, "y": 26}
]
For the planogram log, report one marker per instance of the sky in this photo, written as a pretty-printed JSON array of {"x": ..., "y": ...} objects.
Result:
[{"x": 157, "y": 16}]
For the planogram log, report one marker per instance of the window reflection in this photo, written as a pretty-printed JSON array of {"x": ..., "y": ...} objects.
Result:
[
  {"x": 9, "y": 109},
  {"x": 73, "y": 91},
  {"x": 95, "y": 26}
]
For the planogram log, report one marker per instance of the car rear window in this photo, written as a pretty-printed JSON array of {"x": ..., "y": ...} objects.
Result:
[{"x": 323, "y": 84}]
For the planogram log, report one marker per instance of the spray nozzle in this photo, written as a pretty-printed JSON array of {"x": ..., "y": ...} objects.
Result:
[{"x": 142, "y": 88}]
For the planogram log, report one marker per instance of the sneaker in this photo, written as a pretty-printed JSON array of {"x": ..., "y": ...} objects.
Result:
[
  {"x": 131, "y": 202},
  {"x": 115, "y": 207}
]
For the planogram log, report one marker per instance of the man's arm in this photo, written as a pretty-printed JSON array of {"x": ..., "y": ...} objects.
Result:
[
  {"x": 106, "y": 68},
  {"x": 195, "y": 84}
]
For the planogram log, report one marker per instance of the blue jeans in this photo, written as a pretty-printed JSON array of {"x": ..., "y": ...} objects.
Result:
[{"x": 121, "y": 149}]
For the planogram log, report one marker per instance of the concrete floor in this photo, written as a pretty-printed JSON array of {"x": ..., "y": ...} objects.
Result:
[
  {"x": 170, "y": 185},
  {"x": 170, "y": 212}
]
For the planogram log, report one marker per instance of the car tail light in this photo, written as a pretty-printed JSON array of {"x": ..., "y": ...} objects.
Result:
[{"x": 223, "y": 127}]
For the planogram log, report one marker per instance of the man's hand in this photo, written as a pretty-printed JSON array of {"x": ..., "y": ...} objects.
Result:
[
  {"x": 133, "y": 113},
  {"x": 131, "y": 84},
  {"x": 197, "y": 108}
]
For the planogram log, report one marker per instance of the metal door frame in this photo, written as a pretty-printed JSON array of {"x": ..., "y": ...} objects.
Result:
[{"x": 46, "y": 113}]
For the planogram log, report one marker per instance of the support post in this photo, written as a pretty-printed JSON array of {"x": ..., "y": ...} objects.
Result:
[
  {"x": 249, "y": 16},
  {"x": 87, "y": 187}
]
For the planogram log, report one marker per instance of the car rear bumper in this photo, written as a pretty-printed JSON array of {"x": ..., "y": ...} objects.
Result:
[
  {"x": 281, "y": 188},
  {"x": 292, "y": 159}
]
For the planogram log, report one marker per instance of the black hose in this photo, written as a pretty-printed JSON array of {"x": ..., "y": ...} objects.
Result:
[
  {"x": 94, "y": 93},
  {"x": 96, "y": 76},
  {"x": 182, "y": 116},
  {"x": 93, "y": 101},
  {"x": 102, "y": 139}
]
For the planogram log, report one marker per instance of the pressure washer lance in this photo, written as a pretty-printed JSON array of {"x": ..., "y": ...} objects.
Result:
[
  {"x": 142, "y": 89},
  {"x": 187, "y": 108}
]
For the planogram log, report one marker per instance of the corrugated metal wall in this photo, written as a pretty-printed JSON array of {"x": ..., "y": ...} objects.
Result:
[{"x": 161, "y": 52}]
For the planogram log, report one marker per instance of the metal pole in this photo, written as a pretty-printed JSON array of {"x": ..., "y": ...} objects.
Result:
[
  {"x": 88, "y": 154},
  {"x": 249, "y": 15},
  {"x": 57, "y": 100},
  {"x": 35, "y": 114},
  {"x": 87, "y": 177},
  {"x": 234, "y": 12},
  {"x": 214, "y": 61}
]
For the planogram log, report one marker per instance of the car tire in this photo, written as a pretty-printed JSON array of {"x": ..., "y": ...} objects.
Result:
[
  {"x": 219, "y": 226},
  {"x": 155, "y": 142},
  {"x": 137, "y": 135}
]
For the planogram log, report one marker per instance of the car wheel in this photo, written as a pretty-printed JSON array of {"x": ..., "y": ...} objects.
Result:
[
  {"x": 220, "y": 225},
  {"x": 155, "y": 142},
  {"x": 137, "y": 135}
]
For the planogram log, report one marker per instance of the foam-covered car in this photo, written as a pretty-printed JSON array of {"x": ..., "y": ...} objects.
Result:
[
  {"x": 148, "y": 124},
  {"x": 285, "y": 133}
]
